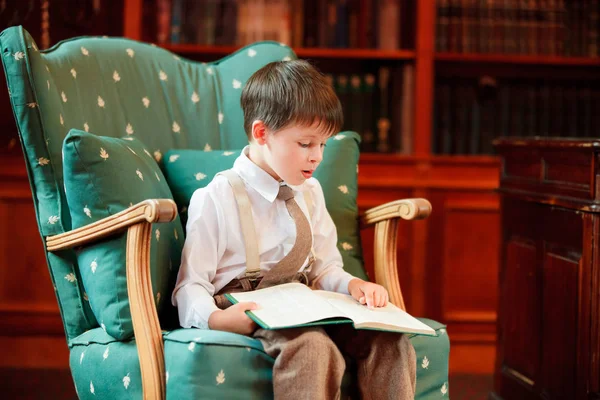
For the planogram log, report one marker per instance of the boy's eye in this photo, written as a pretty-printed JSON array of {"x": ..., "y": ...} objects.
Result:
[
  {"x": 304, "y": 145},
  {"x": 323, "y": 145}
]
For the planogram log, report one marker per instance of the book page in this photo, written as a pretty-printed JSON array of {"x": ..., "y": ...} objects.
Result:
[
  {"x": 388, "y": 317},
  {"x": 289, "y": 304}
]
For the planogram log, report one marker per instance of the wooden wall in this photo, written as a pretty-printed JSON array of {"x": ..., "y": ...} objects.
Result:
[{"x": 448, "y": 264}]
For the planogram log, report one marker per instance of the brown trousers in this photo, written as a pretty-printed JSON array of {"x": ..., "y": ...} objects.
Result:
[{"x": 309, "y": 362}]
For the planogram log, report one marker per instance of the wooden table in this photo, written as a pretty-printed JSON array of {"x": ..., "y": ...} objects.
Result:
[{"x": 548, "y": 330}]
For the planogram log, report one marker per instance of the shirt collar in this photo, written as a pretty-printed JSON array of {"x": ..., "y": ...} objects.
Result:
[{"x": 259, "y": 179}]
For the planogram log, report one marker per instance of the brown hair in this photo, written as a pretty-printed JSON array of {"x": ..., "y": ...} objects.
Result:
[{"x": 283, "y": 93}]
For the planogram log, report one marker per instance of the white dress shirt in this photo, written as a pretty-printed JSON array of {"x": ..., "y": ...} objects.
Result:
[{"x": 214, "y": 250}]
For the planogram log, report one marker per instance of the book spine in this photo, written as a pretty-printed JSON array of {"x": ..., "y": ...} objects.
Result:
[
  {"x": 442, "y": 26},
  {"x": 163, "y": 21}
]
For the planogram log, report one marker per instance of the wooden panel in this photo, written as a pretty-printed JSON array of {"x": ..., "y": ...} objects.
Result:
[
  {"x": 559, "y": 331},
  {"x": 471, "y": 236},
  {"x": 592, "y": 293},
  {"x": 520, "y": 327},
  {"x": 568, "y": 168},
  {"x": 34, "y": 352},
  {"x": 22, "y": 259},
  {"x": 548, "y": 331},
  {"x": 554, "y": 171},
  {"x": 28, "y": 304},
  {"x": 522, "y": 165}
]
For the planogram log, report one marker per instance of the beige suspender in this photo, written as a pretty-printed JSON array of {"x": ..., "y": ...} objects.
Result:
[
  {"x": 248, "y": 231},
  {"x": 247, "y": 224}
]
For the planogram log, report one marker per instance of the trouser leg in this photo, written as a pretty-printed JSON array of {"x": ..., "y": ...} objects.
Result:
[
  {"x": 308, "y": 365},
  {"x": 386, "y": 362}
]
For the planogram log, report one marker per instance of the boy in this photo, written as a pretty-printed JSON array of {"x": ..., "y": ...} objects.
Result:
[{"x": 289, "y": 113}]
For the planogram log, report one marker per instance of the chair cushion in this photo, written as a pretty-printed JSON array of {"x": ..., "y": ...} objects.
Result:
[
  {"x": 205, "y": 364},
  {"x": 104, "y": 176},
  {"x": 188, "y": 170}
]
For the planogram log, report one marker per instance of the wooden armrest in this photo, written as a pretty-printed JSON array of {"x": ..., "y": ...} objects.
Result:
[
  {"x": 406, "y": 209},
  {"x": 155, "y": 210},
  {"x": 385, "y": 218},
  {"x": 138, "y": 221}
]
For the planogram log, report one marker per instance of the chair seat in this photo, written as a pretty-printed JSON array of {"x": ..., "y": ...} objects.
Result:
[{"x": 204, "y": 364}]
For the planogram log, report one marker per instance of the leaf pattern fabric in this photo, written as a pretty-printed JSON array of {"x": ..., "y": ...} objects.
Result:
[{"x": 103, "y": 176}]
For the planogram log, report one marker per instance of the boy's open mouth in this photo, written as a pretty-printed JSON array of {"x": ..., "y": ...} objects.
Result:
[{"x": 307, "y": 173}]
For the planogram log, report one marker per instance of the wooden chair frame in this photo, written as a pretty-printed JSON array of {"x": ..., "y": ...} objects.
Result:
[{"x": 138, "y": 219}]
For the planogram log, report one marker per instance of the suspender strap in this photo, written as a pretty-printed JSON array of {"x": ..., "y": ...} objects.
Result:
[{"x": 247, "y": 223}]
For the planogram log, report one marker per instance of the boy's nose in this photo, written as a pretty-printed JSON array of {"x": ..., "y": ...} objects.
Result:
[{"x": 316, "y": 156}]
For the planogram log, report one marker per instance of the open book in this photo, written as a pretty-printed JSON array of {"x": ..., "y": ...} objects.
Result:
[{"x": 293, "y": 305}]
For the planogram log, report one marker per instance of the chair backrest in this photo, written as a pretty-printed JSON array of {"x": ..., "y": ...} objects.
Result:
[{"x": 115, "y": 87}]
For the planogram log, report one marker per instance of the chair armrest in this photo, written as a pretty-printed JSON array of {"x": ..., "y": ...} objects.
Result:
[
  {"x": 156, "y": 210},
  {"x": 407, "y": 209},
  {"x": 385, "y": 218},
  {"x": 138, "y": 220}
]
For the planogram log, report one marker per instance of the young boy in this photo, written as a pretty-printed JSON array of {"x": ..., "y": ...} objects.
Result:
[{"x": 289, "y": 113}]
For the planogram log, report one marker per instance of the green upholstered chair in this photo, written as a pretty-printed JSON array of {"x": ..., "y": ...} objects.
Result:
[{"x": 112, "y": 251}]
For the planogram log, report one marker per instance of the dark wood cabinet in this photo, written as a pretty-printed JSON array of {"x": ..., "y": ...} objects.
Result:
[{"x": 549, "y": 293}]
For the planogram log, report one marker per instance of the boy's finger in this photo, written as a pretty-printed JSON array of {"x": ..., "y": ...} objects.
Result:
[
  {"x": 369, "y": 299},
  {"x": 362, "y": 300},
  {"x": 249, "y": 305},
  {"x": 378, "y": 299}
]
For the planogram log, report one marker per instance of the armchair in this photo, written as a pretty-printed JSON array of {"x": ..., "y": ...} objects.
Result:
[{"x": 118, "y": 87}]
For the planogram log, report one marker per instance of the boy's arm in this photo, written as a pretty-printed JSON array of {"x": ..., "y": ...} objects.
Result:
[
  {"x": 204, "y": 246},
  {"x": 327, "y": 272}
]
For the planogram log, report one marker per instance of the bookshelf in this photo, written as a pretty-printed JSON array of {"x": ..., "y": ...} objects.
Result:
[
  {"x": 302, "y": 52},
  {"x": 505, "y": 34},
  {"x": 472, "y": 58}
]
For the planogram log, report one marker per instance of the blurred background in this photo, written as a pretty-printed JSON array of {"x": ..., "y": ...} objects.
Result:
[{"x": 427, "y": 84}]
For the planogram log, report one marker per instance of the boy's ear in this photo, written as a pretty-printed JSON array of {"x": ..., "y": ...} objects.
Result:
[{"x": 259, "y": 132}]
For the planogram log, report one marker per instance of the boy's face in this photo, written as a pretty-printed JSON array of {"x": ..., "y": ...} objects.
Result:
[{"x": 291, "y": 154}]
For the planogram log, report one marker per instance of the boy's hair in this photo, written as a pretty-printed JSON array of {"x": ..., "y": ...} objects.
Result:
[{"x": 283, "y": 93}]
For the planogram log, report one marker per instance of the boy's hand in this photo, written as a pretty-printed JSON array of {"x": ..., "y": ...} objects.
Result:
[
  {"x": 371, "y": 294},
  {"x": 234, "y": 319}
]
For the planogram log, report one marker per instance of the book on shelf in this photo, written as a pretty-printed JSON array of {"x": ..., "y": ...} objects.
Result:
[
  {"x": 470, "y": 113},
  {"x": 293, "y": 305},
  {"x": 375, "y": 24},
  {"x": 540, "y": 27}
]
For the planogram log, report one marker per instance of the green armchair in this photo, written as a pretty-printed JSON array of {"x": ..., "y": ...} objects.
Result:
[{"x": 132, "y": 347}]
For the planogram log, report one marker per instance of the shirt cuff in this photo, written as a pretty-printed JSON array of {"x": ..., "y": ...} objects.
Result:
[
  {"x": 198, "y": 314},
  {"x": 335, "y": 280}
]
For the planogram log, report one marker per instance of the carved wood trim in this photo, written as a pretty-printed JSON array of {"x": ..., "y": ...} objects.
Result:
[
  {"x": 144, "y": 316},
  {"x": 407, "y": 209},
  {"x": 155, "y": 210},
  {"x": 385, "y": 254},
  {"x": 386, "y": 217}
]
